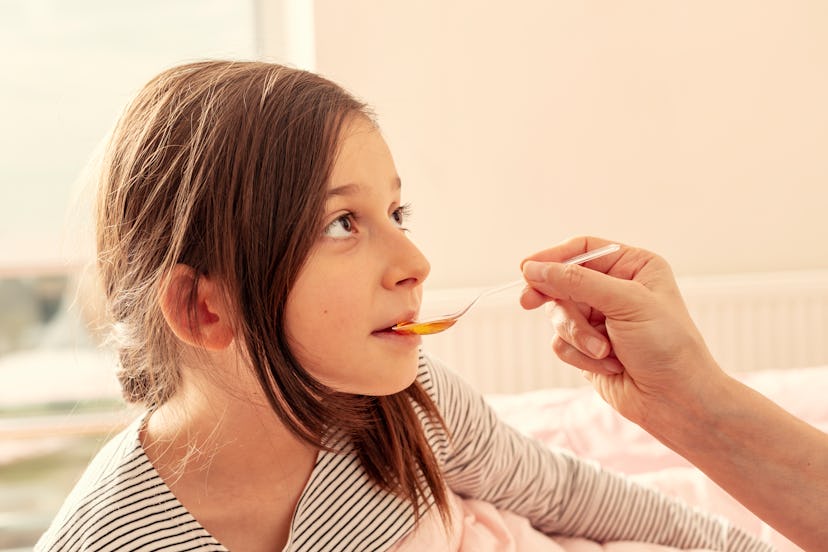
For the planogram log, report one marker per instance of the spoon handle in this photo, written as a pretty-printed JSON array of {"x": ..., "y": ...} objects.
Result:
[{"x": 593, "y": 254}]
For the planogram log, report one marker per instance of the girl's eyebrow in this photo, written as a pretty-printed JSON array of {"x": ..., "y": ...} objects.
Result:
[{"x": 353, "y": 188}]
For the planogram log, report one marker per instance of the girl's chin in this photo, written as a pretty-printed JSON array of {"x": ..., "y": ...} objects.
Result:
[{"x": 386, "y": 383}]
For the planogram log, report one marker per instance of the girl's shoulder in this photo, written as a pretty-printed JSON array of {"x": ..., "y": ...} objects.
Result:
[
  {"x": 462, "y": 408},
  {"x": 445, "y": 386},
  {"x": 119, "y": 498}
]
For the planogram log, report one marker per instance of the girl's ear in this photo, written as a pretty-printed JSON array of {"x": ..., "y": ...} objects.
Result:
[{"x": 204, "y": 323}]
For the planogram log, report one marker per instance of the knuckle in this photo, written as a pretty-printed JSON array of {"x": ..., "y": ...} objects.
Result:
[
  {"x": 572, "y": 276},
  {"x": 564, "y": 324},
  {"x": 564, "y": 327}
]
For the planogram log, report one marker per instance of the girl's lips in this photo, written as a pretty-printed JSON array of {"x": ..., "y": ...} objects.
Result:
[{"x": 399, "y": 337}]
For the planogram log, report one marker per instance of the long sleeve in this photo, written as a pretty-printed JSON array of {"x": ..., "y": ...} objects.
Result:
[{"x": 485, "y": 459}]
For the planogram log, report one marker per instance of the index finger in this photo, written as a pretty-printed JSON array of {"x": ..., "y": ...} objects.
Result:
[{"x": 607, "y": 293}]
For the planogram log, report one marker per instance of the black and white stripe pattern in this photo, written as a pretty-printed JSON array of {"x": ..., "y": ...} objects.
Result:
[{"x": 121, "y": 503}]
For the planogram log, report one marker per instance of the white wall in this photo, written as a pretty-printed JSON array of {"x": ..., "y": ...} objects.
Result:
[{"x": 698, "y": 129}]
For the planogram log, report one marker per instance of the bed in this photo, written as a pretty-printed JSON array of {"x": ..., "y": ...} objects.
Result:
[{"x": 579, "y": 420}]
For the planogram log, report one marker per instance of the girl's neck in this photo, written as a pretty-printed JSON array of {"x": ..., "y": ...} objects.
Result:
[{"x": 213, "y": 428}]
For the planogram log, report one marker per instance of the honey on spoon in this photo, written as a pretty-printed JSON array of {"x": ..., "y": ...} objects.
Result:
[{"x": 442, "y": 323}]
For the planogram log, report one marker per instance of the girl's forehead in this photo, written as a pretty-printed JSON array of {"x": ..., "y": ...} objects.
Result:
[
  {"x": 362, "y": 156},
  {"x": 355, "y": 131}
]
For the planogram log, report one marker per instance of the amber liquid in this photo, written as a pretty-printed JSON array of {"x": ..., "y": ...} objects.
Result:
[{"x": 424, "y": 328}]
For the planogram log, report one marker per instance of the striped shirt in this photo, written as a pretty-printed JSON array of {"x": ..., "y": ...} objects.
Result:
[{"x": 121, "y": 502}]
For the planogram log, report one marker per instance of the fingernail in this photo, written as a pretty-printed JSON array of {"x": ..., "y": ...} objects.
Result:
[
  {"x": 595, "y": 346},
  {"x": 535, "y": 271}
]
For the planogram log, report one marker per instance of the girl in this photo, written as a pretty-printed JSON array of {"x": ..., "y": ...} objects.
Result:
[{"x": 252, "y": 248}]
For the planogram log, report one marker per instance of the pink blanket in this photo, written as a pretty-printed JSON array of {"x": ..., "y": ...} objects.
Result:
[
  {"x": 480, "y": 527},
  {"x": 579, "y": 420}
]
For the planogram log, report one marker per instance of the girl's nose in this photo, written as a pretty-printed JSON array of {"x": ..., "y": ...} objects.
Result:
[{"x": 407, "y": 265}]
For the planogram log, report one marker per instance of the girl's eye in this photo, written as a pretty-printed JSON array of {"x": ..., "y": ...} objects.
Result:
[
  {"x": 401, "y": 214},
  {"x": 342, "y": 227}
]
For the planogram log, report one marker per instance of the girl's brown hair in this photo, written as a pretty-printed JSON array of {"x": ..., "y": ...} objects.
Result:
[{"x": 223, "y": 166}]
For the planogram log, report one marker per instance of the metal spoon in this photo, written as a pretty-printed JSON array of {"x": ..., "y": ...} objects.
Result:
[{"x": 441, "y": 323}]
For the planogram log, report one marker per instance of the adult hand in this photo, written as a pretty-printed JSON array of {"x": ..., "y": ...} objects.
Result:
[{"x": 622, "y": 320}]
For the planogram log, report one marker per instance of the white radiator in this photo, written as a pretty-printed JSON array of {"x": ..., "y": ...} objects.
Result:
[{"x": 750, "y": 321}]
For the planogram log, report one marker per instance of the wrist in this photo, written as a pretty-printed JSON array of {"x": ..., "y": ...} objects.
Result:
[{"x": 688, "y": 415}]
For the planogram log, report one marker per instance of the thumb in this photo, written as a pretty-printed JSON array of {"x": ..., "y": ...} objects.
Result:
[{"x": 608, "y": 294}]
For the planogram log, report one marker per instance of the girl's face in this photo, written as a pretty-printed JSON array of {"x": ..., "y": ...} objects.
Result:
[{"x": 362, "y": 277}]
